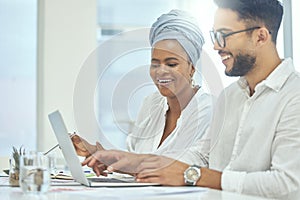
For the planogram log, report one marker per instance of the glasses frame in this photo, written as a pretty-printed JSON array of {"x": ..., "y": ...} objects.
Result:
[{"x": 214, "y": 35}]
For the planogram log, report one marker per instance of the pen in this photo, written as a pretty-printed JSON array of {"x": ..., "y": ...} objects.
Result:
[
  {"x": 71, "y": 135},
  {"x": 51, "y": 149}
]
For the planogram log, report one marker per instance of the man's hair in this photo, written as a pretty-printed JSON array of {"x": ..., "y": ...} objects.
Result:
[{"x": 256, "y": 12}]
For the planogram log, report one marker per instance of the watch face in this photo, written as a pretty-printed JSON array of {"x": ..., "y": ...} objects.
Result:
[{"x": 192, "y": 174}]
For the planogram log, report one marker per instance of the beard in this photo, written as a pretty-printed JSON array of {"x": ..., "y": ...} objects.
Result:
[{"x": 242, "y": 65}]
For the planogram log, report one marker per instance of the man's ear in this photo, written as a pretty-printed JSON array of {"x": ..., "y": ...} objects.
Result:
[{"x": 263, "y": 36}]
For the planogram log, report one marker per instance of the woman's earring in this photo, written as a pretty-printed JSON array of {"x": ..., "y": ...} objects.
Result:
[{"x": 192, "y": 81}]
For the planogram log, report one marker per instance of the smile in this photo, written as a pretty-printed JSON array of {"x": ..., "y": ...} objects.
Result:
[
  {"x": 164, "y": 81},
  {"x": 225, "y": 57}
]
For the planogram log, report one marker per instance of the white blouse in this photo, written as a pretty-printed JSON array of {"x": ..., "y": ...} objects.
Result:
[{"x": 191, "y": 125}]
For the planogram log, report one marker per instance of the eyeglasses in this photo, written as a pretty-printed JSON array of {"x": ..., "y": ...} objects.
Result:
[{"x": 220, "y": 36}]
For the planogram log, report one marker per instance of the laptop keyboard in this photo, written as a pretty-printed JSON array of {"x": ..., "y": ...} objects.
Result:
[{"x": 108, "y": 180}]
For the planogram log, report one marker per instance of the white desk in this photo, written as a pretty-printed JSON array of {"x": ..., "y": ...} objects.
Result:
[{"x": 145, "y": 193}]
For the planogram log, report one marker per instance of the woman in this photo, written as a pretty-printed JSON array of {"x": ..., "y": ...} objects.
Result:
[{"x": 176, "y": 116}]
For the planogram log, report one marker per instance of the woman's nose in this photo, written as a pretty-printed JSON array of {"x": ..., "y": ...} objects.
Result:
[{"x": 163, "y": 69}]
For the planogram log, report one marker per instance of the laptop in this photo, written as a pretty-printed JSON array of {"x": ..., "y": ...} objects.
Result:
[{"x": 73, "y": 162}]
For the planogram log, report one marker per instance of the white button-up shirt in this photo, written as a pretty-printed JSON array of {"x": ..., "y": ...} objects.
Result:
[{"x": 255, "y": 140}]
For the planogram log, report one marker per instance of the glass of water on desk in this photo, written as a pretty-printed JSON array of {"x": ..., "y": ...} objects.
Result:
[{"x": 34, "y": 173}]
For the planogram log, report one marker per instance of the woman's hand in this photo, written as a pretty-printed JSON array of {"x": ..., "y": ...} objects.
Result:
[
  {"x": 114, "y": 161},
  {"x": 82, "y": 147}
]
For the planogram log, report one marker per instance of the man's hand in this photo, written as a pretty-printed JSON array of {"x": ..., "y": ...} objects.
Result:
[
  {"x": 163, "y": 170},
  {"x": 166, "y": 171}
]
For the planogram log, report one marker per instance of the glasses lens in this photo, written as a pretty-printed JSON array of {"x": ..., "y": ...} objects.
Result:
[
  {"x": 217, "y": 37},
  {"x": 212, "y": 37},
  {"x": 220, "y": 39}
]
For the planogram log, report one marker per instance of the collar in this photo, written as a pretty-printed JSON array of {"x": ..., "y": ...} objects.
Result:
[
  {"x": 276, "y": 79},
  {"x": 280, "y": 74}
]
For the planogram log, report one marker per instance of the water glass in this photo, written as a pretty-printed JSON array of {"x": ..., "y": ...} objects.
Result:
[
  {"x": 52, "y": 163},
  {"x": 34, "y": 173}
]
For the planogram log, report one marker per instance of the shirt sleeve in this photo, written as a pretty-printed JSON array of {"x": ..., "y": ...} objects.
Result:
[
  {"x": 282, "y": 179},
  {"x": 198, "y": 154}
]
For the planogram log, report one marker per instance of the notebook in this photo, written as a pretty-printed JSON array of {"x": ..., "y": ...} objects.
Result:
[{"x": 73, "y": 162}]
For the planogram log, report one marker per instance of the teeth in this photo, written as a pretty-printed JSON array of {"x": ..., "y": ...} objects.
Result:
[
  {"x": 225, "y": 57},
  {"x": 164, "y": 80}
]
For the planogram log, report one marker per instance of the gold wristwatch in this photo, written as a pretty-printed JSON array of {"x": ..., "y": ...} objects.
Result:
[{"x": 192, "y": 175}]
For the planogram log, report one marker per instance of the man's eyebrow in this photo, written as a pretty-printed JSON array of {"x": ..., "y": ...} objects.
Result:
[{"x": 223, "y": 29}]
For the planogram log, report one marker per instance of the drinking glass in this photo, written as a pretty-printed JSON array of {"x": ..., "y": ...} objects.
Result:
[{"x": 34, "y": 173}]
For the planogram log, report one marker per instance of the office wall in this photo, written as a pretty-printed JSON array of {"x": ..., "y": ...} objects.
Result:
[
  {"x": 17, "y": 74},
  {"x": 66, "y": 36}
]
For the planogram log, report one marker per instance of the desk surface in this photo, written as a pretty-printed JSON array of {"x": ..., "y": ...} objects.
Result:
[{"x": 145, "y": 193}]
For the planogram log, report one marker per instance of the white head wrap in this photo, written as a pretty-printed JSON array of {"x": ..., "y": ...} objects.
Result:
[{"x": 181, "y": 26}]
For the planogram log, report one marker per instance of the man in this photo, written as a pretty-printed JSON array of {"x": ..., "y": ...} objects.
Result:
[{"x": 255, "y": 131}]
